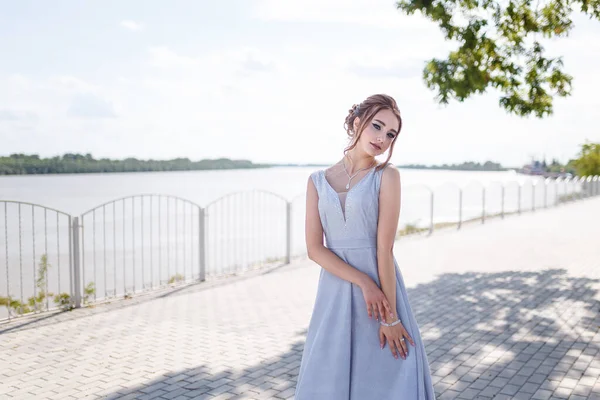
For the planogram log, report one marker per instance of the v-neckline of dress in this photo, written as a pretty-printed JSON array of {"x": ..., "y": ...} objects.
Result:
[{"x": 337, "y": 195}]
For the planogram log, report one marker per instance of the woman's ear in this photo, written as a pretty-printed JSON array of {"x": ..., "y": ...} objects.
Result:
[{"x": 355, "y": 124}]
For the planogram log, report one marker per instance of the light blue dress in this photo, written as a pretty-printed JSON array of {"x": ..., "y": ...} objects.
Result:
[{"x": 342, "y": 358}]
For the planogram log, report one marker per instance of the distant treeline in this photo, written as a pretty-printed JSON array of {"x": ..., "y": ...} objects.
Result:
[
  {"x": 466, "y": 166},
  {"x": 22, "y": 164}
]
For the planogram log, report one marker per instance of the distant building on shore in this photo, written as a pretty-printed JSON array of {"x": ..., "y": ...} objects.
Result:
[
  {"x": 535, "y": 168},
  {"x": 540, "y": 168}
]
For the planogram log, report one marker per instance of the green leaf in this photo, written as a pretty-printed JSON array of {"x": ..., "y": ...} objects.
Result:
[{"x": 498, "y": 48}]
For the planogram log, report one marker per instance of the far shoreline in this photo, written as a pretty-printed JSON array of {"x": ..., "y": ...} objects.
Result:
[
  {"x": 82, "y": 173},
  {"x": 77, "y": 164}
]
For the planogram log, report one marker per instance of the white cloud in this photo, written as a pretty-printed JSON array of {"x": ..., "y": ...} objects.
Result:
[
  {"x": 87, "y": 105},
  {"x": 212, "y": 76},
  {"x": 73, "y": 83},
  {"x": 17, "y": 115},
  {"x": 19, "y": 80},
  {"x": 406, "y": 69},
  {"x": 246, "y": 59},
  {"x": 373, "y": 13},
  {"x": 163, "y": 57},
  {"x": 132, "y": 25},
  {"x": 251, "y": 60}
]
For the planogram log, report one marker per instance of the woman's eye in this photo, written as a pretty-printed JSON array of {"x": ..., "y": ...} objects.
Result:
[
  {"x": 391, "y": 135},
  {"x": 377, "y": 126}
]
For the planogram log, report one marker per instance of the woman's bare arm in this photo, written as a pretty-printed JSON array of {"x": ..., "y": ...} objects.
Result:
[
  {"x": 317, "y": 250},
  {"x": 375, "y": 301},
  {"x": 389, "y": 212}
]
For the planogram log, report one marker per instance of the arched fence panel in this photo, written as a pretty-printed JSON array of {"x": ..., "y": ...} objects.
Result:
[
  {"x": 495, "y": 197},
  {"x": 298, "y": 205},
  {"x": 446, "y": 204},
  {"x": 245, "y": 231},
  {"x": 512, "y": 197},
  {"x": 545, "y": 193},
  {"x": 591, "y": 186},
  {"x": 527, "y": 195},
  {"x": 36, "y": 271},
  {"x": 561, "y": 190},
  {"x": 416, "y": 212},
  {"x": 474, "y": 201},
  {"x": 579, "y": 188},
  {"x": 569, "y": 189},
  {"x": 139, "y": 243}
]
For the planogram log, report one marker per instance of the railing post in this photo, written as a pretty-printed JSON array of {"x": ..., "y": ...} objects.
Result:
[
  {"x": 502, "y": 204},
  {"x": 533, "y": 196},
  {"x": 431, "y": 215},
  {"x": 483, "y": 205},
  {"x": 201, "y": 244},
  {"x": 519, "y": 200},
  {"x": 76, "y": 264},
  {"x": 288, "y": 233},
  {"x": 589, "y": 187},
  {"x": 460, "y": 196}
]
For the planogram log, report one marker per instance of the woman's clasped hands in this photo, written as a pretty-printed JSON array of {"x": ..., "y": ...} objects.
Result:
[{"x": 378, "y": 306}]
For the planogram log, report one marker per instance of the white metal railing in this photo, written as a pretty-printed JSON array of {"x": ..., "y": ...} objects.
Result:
[{"x": 50, "y": 259}]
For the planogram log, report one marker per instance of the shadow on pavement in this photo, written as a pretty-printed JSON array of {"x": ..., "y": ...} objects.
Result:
[{"x": 491, "y": 335}]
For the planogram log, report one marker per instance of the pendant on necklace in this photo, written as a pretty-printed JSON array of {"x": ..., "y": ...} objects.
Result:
[{"x": 348, "y": 186}]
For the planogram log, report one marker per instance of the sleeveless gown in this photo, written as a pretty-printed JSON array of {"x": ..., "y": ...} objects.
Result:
[{"x": 342, "y": 358}]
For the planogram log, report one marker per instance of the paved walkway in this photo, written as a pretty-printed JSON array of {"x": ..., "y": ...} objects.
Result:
[{"x": 508, "y": 310}]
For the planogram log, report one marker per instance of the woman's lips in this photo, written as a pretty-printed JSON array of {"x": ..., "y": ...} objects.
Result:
[{"x": 374, "y": 145}]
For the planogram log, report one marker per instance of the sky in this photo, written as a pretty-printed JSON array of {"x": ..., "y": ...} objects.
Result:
[{"x": 261, "y": 80}]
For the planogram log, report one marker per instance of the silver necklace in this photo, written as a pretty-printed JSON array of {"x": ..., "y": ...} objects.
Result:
[{"x": 356, "y": 173}]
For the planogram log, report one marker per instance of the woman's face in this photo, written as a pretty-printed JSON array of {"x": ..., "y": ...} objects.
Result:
[{"x": 379, "y": 134}]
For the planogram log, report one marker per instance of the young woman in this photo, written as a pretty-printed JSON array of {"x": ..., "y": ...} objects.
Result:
[{"x": 361, "y": 305}]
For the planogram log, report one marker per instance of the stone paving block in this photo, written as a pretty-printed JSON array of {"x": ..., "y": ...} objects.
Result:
[
  {"x": 490, "y": 391},
  {"x": 542, "y": 394},
  {"x": 152, "y": 395},
  {"x": 509, "y": 389},
  {"x": 581, "y": 390}
]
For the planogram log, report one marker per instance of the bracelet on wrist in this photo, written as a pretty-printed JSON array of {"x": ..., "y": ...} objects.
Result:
[{"x": 396, "y": 322}]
